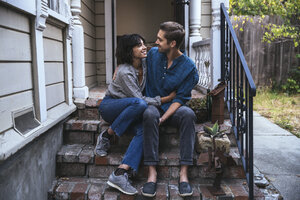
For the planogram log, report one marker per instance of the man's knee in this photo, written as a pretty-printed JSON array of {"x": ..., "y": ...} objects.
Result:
[
  {"x": 186, "y": 113},
  {"x": 151, "y": 113}
]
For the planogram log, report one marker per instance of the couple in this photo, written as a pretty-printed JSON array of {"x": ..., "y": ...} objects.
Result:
[{"x": 166, "y": 77}]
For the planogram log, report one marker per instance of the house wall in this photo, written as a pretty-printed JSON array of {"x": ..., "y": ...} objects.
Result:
[
  {"x": 28, "y": 175},
  {"x": 143, "y": 16},
  {"x": 87, "y": 18},
  {"x": 16, "y": 85},
  {"x": 100, "y": 41},
  {"x": 35, "y": 71},
  {"x": 206, "y": 18},
  {"x": 53, "y": 38}
]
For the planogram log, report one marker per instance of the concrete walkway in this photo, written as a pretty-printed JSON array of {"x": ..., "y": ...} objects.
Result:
[{"x": 277, "y": 156}]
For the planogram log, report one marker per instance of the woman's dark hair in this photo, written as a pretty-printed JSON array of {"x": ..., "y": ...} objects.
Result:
[{"x": 125, "y": 45}]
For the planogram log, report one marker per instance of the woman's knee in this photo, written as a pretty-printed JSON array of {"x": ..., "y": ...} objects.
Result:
[{"x": 140, "y": 104}]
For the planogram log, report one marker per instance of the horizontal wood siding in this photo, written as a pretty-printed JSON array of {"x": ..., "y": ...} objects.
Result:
[
  {"x": 100, "y": 42},
  {"x": 87, "y": 18},
  {"x": 16, "y": 85},
  {"x": 54, "y": 65}
]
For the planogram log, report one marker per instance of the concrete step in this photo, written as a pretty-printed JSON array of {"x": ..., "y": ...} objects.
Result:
[
  {"x": 79, "y": 160},
  {"x": 73, "y": 188}
]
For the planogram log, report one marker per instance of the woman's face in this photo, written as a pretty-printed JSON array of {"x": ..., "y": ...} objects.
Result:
[{"x": 140, "y": 51}]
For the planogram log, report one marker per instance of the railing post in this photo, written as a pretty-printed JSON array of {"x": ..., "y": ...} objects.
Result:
[
  {"x": 222, "y": 45},
  {"x": 216, "y": 40}
]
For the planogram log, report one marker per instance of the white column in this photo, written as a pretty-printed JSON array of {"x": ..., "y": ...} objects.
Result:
[
  {"x": 80, "y": 89},
  {"x": 38, "y": 64},
  {"x": 68, "y": 64},
  {"x": 195, "y": 25},
  {"x": 215, "y": 36}
]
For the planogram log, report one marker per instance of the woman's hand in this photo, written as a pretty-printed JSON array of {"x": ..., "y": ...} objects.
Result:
[{"x": 168, "y": 98}]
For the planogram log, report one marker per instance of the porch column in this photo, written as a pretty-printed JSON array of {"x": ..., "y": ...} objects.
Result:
[
  {"x": 215, "y": 36},
  {"x": 81, "y": 91},
  {"x": 195, "y": 25}
]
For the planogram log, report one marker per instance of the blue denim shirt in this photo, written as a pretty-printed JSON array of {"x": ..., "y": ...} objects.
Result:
[{"x": 181, "y": 77}]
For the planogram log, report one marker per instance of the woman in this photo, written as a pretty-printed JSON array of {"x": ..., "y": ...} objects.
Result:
[{"x": 123, "y": 106}]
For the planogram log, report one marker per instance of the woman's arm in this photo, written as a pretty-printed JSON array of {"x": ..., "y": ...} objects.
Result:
[{"x": 131, "y": 89}]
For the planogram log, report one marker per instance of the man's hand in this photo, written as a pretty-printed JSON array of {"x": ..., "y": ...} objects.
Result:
[
  {"x": 168, "y": 98},
  {"x": 161, "y": 120},
  {"x": 173, "y": 107}
]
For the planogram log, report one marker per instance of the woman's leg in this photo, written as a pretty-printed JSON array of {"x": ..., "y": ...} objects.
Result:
[
  {"x": 121, "y": 112},
  {"x": 134, "y": 151}
]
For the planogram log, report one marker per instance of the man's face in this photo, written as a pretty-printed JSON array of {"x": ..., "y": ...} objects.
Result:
[{"x": 162, "y": 43}]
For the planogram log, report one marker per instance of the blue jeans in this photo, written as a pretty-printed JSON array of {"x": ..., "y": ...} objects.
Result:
[{"x": 123, "y": 114}]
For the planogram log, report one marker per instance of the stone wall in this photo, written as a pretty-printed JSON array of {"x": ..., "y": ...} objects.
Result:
[{"x": 28, "y": 175}]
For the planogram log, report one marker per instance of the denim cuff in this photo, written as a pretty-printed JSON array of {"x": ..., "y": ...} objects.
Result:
[
  {"x": 150, "y": 163},
  {"x": 186, "y": 162}
]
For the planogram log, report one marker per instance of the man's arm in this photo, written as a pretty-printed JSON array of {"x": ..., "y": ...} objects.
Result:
[{"x": 171, "y": 110}]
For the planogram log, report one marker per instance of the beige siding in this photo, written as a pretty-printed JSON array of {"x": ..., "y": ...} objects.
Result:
[
  {"x": 16, "y": 85},
  {"x": 205, "y": 18},
  {"x": 54, "y": 65},
  {"x": 11, "y": 42},
  {"x": 54, "y": 73},
  {"x": 15, "y": 77},
  {"x": 88, "y": 20},
  {"x": 55, "y": 94},
  {"x": 100, "y": 42}
]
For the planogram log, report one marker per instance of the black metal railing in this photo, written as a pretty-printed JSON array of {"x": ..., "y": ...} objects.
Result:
[{"x": 239, "y": 94}]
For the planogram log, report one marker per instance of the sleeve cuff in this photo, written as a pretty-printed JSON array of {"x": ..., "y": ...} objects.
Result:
[
  {"x": 178, "y": 101},
  {"x": 158, "y": 99}
]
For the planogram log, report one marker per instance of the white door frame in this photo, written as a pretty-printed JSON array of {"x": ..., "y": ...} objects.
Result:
[{"x": 109, "y": 37}]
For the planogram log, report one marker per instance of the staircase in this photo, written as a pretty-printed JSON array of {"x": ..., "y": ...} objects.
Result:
[{"x": 82, "y": 175}]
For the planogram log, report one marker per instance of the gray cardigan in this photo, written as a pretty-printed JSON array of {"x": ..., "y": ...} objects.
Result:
[{"x": 126, "y": 84}]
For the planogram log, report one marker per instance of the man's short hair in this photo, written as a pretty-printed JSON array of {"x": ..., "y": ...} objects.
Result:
[{"x": 173, "y": 31}]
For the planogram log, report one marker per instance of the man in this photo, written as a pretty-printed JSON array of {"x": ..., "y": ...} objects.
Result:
[{"x": 169, "y": 70}]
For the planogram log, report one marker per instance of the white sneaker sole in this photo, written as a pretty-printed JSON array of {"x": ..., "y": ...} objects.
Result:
[
  {"x": 100, "y": 155},
  {"x": 120, "y": 189},
  {"x": 186, "y": 194},
  {"x": 148, "y": 195}
]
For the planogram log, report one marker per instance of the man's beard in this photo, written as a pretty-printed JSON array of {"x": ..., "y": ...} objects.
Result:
[{"x": 164, "y": 50}]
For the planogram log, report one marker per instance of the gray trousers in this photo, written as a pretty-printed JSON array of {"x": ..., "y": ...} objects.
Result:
[{"x": 183, "y": 119}]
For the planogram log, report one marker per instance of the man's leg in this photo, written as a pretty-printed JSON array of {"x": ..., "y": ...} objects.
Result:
[
  {"x": 151, "y": 142},
  {"x": 184, "y": 119}
]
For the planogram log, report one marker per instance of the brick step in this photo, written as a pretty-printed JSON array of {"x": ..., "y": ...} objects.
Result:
[
  {"x": 86, "y": 132},
  {"x": 96, "y": 189},
  {"x": 79, "y": 160}
]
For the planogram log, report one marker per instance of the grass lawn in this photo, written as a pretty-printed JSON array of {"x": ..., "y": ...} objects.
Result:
[{"x": 280, "y": 108}]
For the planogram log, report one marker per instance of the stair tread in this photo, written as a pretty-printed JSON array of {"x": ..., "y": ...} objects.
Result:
[
  {"x": 80, "y": 153},
  {"x": 82, "y": 125},
  {"x": 97, "y": 188}
]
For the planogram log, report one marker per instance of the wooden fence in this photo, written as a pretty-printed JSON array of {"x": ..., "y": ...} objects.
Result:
[{"x": 267, "y": 62}]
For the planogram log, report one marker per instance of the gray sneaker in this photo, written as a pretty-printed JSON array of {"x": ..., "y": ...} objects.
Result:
[
  {"x": 102, "y": 146},
  {"x": 121, "y": 183}
]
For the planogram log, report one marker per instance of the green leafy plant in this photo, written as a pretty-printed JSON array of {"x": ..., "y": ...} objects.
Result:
[
  {"x": 287, "y": 10},
  {"x": 291, "y": 86},
  {"x": 214, "y": 131}
]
